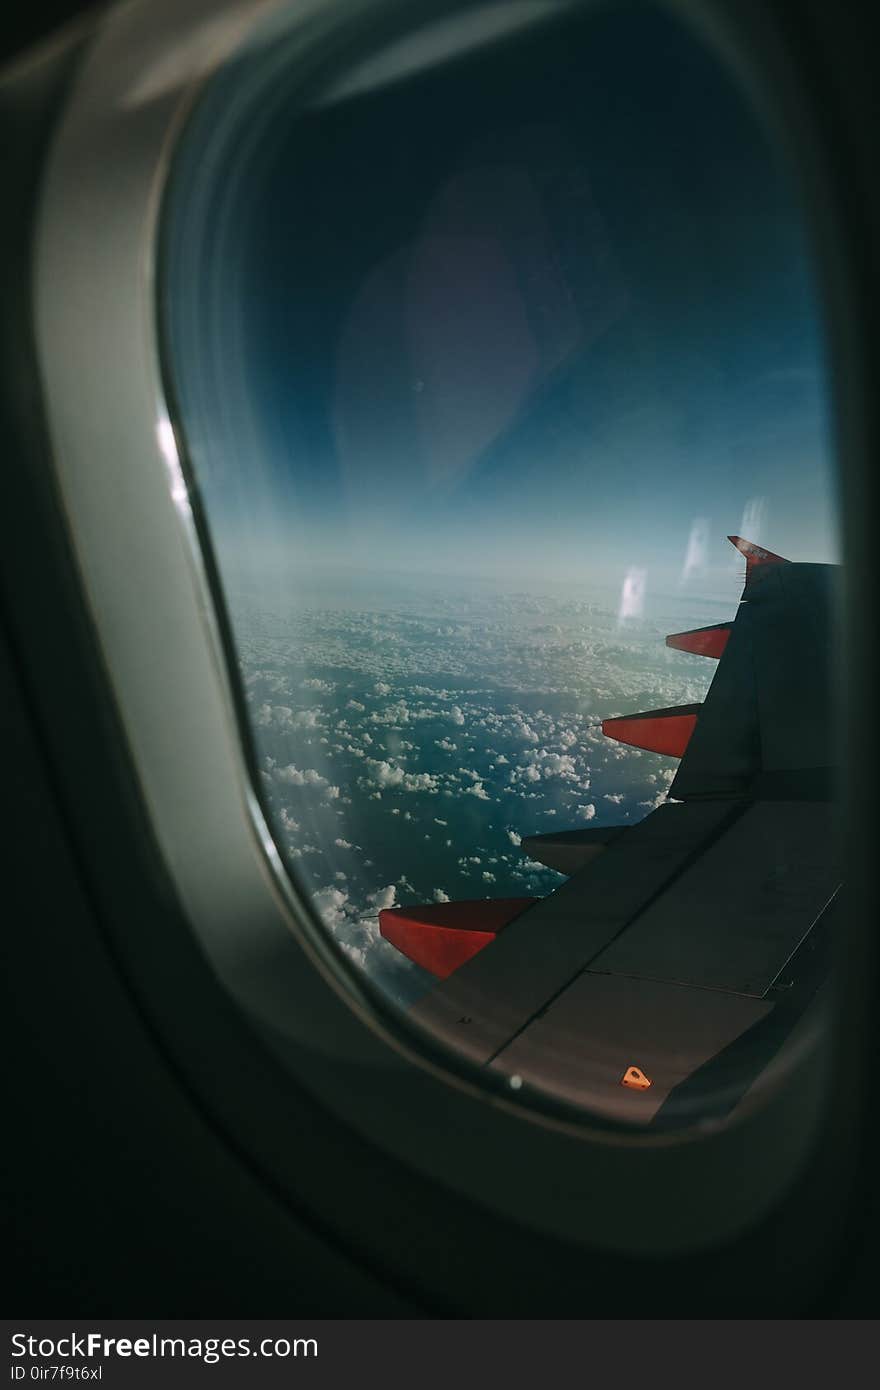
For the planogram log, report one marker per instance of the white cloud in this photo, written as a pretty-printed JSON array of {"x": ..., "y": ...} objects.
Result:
[
  {"x": 330, "y": 904},
  {"x": 386, "y": 774},
  {"x": 587, "y": 812},
  {"x": 296, "y": 778},
  {"x": 385, "y": 897},
  {"x": 477, "y": 790},
  {"x": 514, "y": 837},
  {"x": 440, "y": 896},
  {"x": 306, "y": 719},
  {"x": 280, "y": 715},
  {"x": 523, "y": 730},
  {"x": 529, "y": 773},
  {"x": 558, "y": 765}
]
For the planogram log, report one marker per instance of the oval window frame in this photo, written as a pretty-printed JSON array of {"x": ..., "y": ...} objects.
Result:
[{"x": 111, "y": 402}]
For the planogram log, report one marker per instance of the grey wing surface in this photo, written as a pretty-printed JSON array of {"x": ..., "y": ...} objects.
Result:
[{"x": 661, "y": 980}]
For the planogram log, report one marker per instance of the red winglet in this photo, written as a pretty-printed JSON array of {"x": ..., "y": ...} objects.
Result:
[
  {"x": 756, "y": 555},
  {"x": 702, "y": 641},
  {"x": 657, "y": 731},
  {"x": 442, "y": 936}
]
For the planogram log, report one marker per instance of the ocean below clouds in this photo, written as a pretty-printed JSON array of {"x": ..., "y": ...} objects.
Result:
[{"x": 410, "y": 732}]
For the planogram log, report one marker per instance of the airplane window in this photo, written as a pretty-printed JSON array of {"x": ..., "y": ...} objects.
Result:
[{"x": 480, "y": 348}]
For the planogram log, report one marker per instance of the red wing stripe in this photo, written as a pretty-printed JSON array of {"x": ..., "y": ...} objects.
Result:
[
  {"x": 442, "y": 936},
  {"x": 657, "y": 731},
  {"x": 702, "y": 641}
]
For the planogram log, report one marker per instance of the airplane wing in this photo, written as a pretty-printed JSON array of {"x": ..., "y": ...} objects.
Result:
[{"x": 661, "y": 979}]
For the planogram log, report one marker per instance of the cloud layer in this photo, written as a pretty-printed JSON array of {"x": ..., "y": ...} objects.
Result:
[{"x": 406, "y": 749}]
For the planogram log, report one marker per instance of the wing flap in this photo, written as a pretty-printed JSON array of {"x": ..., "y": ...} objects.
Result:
[
  {"x": 600, "y": 1025},
  {"x": 569, "y": 850},
  {"x": 494, "y": 995},
  {"x": 733, "y": 919}
]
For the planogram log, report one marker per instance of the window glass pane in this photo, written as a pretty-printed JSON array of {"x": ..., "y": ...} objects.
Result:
[{"x": 481, "y": 347}]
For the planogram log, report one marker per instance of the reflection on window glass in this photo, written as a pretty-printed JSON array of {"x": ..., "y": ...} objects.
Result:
[{"x": 478, "y": 363}]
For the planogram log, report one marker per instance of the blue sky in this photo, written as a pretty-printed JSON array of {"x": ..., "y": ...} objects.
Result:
[{"x": 544, "y": 317}]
